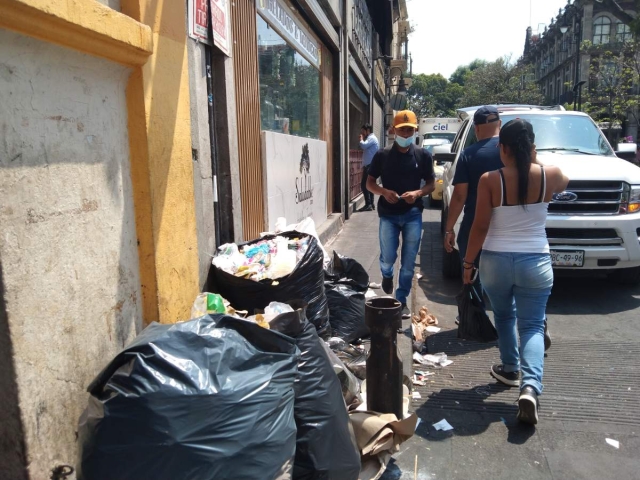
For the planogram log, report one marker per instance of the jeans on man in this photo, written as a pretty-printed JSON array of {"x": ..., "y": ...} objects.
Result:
[
  {"x": 463, "y": 241},
  {"x": 368, "y": 196},
  {"x": 409, "y": 225},
  {"x": 519, "y": 285}
]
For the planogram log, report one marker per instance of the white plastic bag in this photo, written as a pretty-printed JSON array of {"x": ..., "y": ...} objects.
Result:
[
  {"x": 307, "y": 226},
  {"x": 284, "y": 261}
]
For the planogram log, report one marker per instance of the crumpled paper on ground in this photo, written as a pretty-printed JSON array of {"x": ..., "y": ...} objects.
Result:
[
  {"x": 420, "y": 323},
  {"x": 378, "y": 437}
]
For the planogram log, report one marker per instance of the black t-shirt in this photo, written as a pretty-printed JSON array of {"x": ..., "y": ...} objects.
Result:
[
  {"x": 475, "y": 161},
  {"x": 401, "y": 173}
]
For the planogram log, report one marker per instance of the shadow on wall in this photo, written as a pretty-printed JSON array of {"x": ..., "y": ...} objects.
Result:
[
  {"x": 70, "y": 282},
  {"x": 13, "y": 456}
]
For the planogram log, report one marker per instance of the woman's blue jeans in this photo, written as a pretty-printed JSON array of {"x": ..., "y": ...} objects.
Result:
[
  {"x": 519, "y": 285},
  {"x": 391, "y": 227}
]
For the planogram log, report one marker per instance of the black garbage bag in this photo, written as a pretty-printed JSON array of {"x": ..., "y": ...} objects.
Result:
[
  {"x": 305, "y": 282},
  {"x": 326, "y": 448},
  {"x": 474, "y": 321},
  {"x": 347, "y": 271},
  {"x": 346, "y": 282},
  {"x": 207, "y": 399}
]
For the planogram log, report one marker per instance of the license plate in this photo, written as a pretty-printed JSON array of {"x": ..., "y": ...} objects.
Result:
[{"x": 567, "y": 258}]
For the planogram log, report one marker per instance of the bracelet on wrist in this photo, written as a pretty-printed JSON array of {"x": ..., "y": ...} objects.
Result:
[{"x": 449, "y": 233}]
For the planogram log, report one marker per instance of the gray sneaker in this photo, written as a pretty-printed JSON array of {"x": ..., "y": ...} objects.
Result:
[{"x": 406, "y": 313}]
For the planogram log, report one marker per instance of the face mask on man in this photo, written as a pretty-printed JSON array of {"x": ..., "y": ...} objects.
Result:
[{"x": 405, "y": 142}]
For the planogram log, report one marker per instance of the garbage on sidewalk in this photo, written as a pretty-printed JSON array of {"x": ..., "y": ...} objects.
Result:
[
  {"x": 351, "y": 386},
  {"x": 354, "y": 357},
  {"x": 421, "y": 325},
  {"x": 443, "y": 425},
  {"x": 474, "y": 323},
  {"x": 346, "y": 285},
  {"x": 305, "y": 281},
  {"x": 378, "y": 437},
  {"x": 212, "y": 397},
  {"x": 325, "y": 443},
  {"x": 420, "y": 378},
  {"x": 438, "y": 360}
]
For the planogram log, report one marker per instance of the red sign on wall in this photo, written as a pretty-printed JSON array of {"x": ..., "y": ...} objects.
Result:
[
  {"x": 199, "y": 23},
  {"x": 198, "y": 20}
]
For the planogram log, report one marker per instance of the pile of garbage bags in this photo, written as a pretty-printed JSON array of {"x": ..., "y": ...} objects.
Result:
[
  {"x": 248, "y": 389},
  {"x": 220, "y": 397}
]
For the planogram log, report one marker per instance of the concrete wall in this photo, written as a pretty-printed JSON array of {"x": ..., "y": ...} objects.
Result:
[
  {"x": 68, "y": 244},
  {"x": 201, "y": 148}
]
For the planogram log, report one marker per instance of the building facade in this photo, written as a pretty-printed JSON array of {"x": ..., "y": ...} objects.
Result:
[
  {"x": 564, "y": 52},
  {"x": 137, "y": 136}
]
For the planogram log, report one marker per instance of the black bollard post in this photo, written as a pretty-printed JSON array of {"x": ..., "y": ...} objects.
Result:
[{"x": 383, "y": 316}]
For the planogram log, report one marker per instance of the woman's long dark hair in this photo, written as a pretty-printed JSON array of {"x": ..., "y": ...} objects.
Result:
[{"x": 519, "y": 137}]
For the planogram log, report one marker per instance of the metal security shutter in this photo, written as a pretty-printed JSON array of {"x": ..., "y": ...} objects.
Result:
[{"x": 378, "y": 122}]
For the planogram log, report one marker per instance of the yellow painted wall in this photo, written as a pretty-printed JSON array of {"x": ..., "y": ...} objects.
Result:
[{"x": 163, "y": 173}]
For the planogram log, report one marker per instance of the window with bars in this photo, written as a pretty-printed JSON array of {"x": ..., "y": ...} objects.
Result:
[
  {"x": 623, "y": 33},
  {"x": 601, "y": 31}
]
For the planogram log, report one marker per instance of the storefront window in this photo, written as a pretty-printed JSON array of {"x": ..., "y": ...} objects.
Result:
[{"x": 289, "y": 87}]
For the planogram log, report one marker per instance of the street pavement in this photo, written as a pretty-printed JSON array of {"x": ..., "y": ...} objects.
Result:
[{"x": 591, "y": 380}]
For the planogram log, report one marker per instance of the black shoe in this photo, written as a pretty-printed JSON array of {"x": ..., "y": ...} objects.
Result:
[
  {"x": 508, "y": 378},
  {"x": 547, "y": 336},
  {"x": 405, "y": 311},
  {"x": 387, "y": 285},
  {"x": 528, "y": 406}
]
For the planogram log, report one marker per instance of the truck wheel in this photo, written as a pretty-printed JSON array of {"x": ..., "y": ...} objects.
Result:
[
  {"x": 451, "y": 267},
  {"x": 626, "y": 276}
]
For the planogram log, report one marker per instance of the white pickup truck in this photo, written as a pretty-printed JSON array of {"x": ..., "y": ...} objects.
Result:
[{"x": 595, "y": 223}]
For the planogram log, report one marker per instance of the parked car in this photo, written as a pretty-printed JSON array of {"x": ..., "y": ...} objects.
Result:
[
  {"x": 438, "y": 167},
  {"x": 595, "y": 223}
]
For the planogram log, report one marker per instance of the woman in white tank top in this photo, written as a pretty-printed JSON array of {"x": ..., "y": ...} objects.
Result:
[{"x": 515, "y": 266}]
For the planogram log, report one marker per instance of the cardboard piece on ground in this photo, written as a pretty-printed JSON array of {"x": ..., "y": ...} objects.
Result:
[{"x": 379, "y": 436}]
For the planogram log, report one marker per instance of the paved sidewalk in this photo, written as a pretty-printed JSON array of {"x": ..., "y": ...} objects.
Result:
[{"x": 589, "y": 394}]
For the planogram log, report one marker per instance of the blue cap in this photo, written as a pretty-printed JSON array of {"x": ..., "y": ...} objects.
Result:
[{"x": 486, "y": 114}]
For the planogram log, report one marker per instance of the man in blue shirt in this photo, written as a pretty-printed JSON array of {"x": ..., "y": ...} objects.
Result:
[
  {"x": 476, "y": 160},
  {"x": 369, "y": 144}
]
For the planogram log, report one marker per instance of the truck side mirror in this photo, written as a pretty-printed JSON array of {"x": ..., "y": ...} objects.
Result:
[{"x": 627, "y": 151}]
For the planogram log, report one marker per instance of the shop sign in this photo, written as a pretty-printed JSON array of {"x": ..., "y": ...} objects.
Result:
[
  {"x": 199, "y": 20},
  {"x": 221, "y": 25},
  {"x": 199, "y": 23},
  {"x": 296, "y": 178},
  {"x": 282, "y": 19},
  {"x": 362, "y": 31}
]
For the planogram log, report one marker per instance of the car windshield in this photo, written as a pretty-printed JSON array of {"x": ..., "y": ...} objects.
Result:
[
  {"x": 446, "y": 136},
  {"x": 571, "y": 133}
]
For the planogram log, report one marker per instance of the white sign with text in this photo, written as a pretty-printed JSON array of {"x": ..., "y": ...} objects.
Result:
[{"x": 296, "y": 178}]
